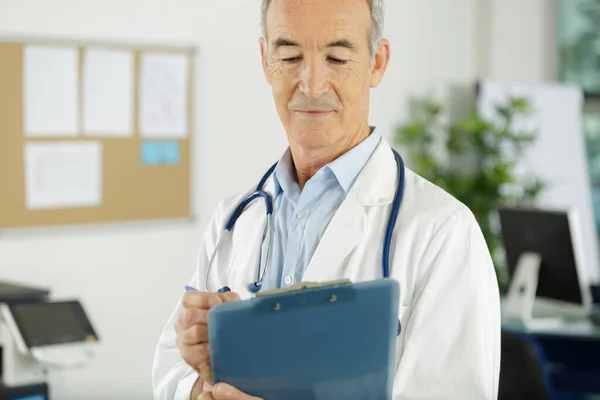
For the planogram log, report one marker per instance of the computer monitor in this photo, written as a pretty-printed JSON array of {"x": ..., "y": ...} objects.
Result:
[
  {"x": 555, "y": 236},
  {"x": 54, "y": 334},
  {"x": 52, "y": 323}
]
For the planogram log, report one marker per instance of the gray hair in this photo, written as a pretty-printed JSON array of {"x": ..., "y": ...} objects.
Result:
[{"x": 377, "y": 16}]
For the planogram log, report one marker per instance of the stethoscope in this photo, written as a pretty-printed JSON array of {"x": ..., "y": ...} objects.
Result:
[{"x": 255, "y": 286}]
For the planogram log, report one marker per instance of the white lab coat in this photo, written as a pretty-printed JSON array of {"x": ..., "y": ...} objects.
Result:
[{"x": 449, "y": 347}]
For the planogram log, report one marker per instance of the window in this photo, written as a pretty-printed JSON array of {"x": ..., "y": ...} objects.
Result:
[
  {"x": 579, "y": 44},
  {"x": 579, "y": 63}
]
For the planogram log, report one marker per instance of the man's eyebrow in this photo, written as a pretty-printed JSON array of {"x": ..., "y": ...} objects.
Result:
[
  {"x": 342, "y": 43},
  {"x": 281, "y": 42}
]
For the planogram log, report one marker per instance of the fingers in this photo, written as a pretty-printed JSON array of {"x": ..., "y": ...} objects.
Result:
[
  {"x": 199, "y": 352},
  {"x": 195, "y": 334},
  {"x": 229, "y": 296},
  {"x": 196, "y": 306},
  {"x": 189, "y": 318},
  {"x": 198, "y": 357},
  {"x": 200, "y": 300},
  {"x": 207, "y": 300},
  {"x": 223, "y": 391},
  {"x": 192, "y": 329}
]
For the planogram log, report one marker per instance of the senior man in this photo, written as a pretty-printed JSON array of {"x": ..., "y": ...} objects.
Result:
[{"x": 333, "y": 191}]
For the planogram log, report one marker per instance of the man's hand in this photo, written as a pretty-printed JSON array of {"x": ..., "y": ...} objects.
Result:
[
  {"x": 192, "y": 331},
  {"x": 223, "y": 391}
]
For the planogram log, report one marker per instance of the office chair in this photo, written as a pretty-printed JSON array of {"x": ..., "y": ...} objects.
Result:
[{"x": 523, "y": 369}]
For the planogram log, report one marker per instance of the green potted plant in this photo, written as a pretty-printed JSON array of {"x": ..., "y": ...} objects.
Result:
[{"x": 474, "y": 159}]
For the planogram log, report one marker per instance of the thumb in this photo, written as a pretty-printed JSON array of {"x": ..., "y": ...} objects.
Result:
[{"x": 223, "y": 391}]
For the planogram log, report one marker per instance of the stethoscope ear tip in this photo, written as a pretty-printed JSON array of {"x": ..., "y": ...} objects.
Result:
[
  {"x": 224, "y": 289},
  {"x": 254, "y": 287}
]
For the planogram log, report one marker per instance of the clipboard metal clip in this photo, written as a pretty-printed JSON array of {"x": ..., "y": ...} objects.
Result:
[{"x": 304, "y": 286}]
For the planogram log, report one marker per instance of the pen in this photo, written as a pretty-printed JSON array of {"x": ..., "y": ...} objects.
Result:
[{"x": 222, "y": 290}]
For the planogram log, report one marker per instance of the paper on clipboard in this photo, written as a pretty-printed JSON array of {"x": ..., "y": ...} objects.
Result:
[{"x": 303, "y": 286}]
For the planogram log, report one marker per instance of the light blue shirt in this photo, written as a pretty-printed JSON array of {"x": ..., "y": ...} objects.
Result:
[{"x": 301, "y": 217}]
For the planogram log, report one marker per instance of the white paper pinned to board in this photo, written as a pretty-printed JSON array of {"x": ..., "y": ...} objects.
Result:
[
  {"x": 50, "y": 91},
  {"x": 108, "y": 93},
  {"x": 63, "y": 175},
  {"x": 163, "y": 95}
]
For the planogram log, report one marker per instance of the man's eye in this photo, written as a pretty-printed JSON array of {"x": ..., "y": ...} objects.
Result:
[
  {"x": 290, "y": 60},
  {"x": 338, "y": 61}
]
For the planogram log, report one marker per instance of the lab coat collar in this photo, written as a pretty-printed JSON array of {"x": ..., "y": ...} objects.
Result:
[{"x": 377, "y": 183}]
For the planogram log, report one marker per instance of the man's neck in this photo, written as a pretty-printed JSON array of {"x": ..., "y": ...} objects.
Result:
[{"x": 308, "y": 161}]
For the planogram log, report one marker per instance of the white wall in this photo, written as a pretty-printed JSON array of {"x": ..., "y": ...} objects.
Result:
[
  {"x": 522, "y": 40},
  {"x": 130, "y": 276}
]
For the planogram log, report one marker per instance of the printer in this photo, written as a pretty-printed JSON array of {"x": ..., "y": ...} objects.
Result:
[{"x": 38, "y": 335}]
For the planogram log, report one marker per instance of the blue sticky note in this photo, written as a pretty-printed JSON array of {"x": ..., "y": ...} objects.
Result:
[
  {"x": 151, "y": 153},
  {"x": 170, "y": 152}
]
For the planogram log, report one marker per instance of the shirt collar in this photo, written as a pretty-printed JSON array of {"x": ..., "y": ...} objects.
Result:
[
  {"x": 345, "y": 168},
  {"x": 284, "y": 176}
]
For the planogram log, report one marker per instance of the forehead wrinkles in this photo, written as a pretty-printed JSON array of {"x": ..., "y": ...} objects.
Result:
[
  {"x": 312, "y": 27},
  {"x": 297, "y": 21}
]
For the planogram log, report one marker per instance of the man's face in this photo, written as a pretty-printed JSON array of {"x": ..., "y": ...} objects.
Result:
[{"x": 318, "y": 63}]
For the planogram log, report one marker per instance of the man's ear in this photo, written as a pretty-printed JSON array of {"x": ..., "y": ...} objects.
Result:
[
  {"x": 380, "y": 63},
  {"x": 263, "y": 55}
]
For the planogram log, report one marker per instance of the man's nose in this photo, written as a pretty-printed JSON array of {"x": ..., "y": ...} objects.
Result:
[{"x": 314, "y": 80}]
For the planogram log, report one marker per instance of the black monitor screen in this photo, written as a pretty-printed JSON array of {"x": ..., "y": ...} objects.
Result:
[
  {"x": 52, "y": 323},
  {"x": 548, "y": 234}
]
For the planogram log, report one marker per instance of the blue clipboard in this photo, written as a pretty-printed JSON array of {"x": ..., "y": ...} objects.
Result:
[{"x": 334, "y": 340}]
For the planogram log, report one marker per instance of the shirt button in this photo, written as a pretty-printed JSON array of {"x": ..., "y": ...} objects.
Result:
[
  {"x": 301, "y": 215},
  {"x": 287, "y": 280}
]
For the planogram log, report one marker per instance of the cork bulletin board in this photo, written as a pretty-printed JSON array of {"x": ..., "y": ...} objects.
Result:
[{"x": 94, "y": 133}]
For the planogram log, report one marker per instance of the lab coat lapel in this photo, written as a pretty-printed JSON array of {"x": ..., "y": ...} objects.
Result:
[
  {"x": 345, "y": 230},
  {"x": 374, "y": 187}
]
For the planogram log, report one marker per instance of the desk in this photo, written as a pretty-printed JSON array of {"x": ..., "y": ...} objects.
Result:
[
  {"x": 572, "y": 352},
  {"x": 575, "y": 329}
]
